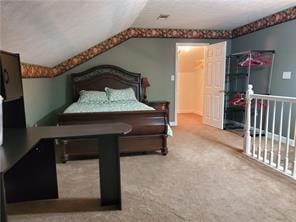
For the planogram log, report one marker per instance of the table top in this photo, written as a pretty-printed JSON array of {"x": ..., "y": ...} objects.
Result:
[{"x": 19, "y": 141}]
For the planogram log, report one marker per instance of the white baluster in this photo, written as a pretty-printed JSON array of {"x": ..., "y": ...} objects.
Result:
[
  {"x": 288, "y": 139},
  {"x": 260, "y": 130},
  {"x": 266, "y": 132},
  {"x": 272, "y": 134},
  {"x": 278, "y": 165},
  {"x": 247, "y": 138},
  {"x": 254, "y": 130}
]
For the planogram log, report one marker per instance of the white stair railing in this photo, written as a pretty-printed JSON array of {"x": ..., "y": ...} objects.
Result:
[{"x": 270, "y": 131}]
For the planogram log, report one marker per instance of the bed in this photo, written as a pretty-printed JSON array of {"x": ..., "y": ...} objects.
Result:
[{"x": 150, "y": 127}]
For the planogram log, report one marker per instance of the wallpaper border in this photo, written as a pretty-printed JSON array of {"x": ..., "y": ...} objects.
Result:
[
  {"x": 37, "y": 71},
  {"x": 266, "y": 22}
]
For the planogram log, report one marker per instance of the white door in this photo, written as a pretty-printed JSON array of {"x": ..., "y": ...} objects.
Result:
[{"x": 215, "y": 60}]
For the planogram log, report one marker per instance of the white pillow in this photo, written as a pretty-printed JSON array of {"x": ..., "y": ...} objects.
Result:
[
  {"x": 92, "y": 97},
  {"x": 120, "y": 94}
]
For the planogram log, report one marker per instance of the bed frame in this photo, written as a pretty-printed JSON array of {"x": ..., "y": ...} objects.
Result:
[{"x": 149, "y": 131}]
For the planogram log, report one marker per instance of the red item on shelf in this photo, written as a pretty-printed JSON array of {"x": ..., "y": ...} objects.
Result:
[
  {"x": 238, "y": 100},
  {"x": 256, "y": 60}
]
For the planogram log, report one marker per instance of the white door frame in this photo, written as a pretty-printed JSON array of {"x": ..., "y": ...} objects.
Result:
[{"x": 175, "y": 123}]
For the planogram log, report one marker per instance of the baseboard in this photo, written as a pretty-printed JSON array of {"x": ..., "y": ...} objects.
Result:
[
  {"x": 269, "y": 134},
  {"x": 173, "y": 123},
  {"x": 198, "y": 113},
  {"x": 190, "y": 111},
  {"x": 284, "y": 139},
  {"x": 277, "y": 137},
  {"x": 235, "y": 122},
  {"x": 185, "y": 111}
]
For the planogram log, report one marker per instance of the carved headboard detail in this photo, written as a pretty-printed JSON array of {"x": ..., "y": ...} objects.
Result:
[{"x": 99, "y": 77}]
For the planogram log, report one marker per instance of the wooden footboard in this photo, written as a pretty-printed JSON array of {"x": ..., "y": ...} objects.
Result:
[{"x": 149, "y": 132}]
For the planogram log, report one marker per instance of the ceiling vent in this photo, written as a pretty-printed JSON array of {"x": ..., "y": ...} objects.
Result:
[{"x": 163, "y": 16}]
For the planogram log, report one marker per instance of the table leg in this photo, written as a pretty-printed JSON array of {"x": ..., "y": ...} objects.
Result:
[
  {"x": 109, "y": 171},
  {"x": 3, "y": 216}
]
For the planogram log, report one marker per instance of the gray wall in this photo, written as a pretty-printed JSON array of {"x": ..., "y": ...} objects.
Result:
[
  {"x": 281, "y": 38},
  {"x": 154, "y": 58},
  {"x": 38, "y": 98},
  {"x": 43, "y": 98}
]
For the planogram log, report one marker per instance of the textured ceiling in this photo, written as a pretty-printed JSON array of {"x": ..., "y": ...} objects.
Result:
[
  {"x": 48, "y": 32},
  {"x": 207, "y": 14}
]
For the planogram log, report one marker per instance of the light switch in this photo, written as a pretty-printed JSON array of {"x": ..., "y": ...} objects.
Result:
[
  {"x": 172, "y": 77},
  {"x": 287, "y": 75}
]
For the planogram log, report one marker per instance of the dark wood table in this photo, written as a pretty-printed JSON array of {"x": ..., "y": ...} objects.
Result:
[{"x": 28, "y": 167}]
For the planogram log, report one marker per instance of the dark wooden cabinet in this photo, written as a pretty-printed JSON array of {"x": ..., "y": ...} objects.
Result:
[
  {"x": 11, "y": 89},
  {"x": 161, "y": 106}
]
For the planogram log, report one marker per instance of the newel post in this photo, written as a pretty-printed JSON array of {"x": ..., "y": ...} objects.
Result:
[{"x": 247, "y": 137}]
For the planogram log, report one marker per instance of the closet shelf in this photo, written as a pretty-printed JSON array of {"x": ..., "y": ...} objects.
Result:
[
  {"x": 240, "y": 74},
  {"x": 235, "y": 109}
]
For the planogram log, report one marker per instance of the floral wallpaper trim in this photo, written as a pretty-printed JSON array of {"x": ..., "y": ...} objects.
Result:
[
  {"x": 137, "y": 33},
  {"x": 36, "y": 71},
  {"x": 275, "y": 19}
]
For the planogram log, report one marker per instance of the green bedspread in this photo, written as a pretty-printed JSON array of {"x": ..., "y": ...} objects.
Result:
[
  {"x": 117, "y": 106},
  {"x": 107, "y": 107}
]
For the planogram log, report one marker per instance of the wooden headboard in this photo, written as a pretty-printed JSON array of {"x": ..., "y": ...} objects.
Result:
[{"x": 99, "y": 77}]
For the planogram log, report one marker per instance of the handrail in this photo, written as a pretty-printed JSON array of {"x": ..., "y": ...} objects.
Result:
[{"x": 275, "y": 98}]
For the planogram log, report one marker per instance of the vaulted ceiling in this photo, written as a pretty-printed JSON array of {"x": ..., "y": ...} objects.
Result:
[
  {"x": 207, "y": 14},
  {"x": 49, "y": 32}
]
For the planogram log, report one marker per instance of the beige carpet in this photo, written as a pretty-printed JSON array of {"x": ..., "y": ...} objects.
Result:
[{"x": 205, "y": 177}]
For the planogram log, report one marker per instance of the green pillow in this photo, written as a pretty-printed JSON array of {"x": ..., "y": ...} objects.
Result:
[
  {"x": 120, "y": 94},
  {"x": 92, "y": 97}
]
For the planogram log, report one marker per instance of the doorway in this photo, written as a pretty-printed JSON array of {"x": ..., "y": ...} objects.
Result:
[
  {"x": 199, "y": 81},
  {"x": 190, "y": 79}
]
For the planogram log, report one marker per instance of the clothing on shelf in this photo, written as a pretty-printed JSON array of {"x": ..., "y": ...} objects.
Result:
[
  {"x": 255, "y": 60},
  {"x": 239, "y": 100}
]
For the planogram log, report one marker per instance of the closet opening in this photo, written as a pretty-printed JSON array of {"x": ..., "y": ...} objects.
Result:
[{"x": 190, "y": 68}]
